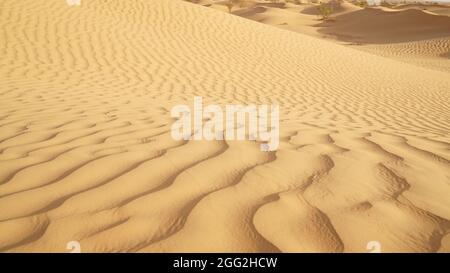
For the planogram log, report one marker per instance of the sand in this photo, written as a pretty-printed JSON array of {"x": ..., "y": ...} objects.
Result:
[
  {"x": 411, "y": 33},
  {"x": 87, "y": 155}
]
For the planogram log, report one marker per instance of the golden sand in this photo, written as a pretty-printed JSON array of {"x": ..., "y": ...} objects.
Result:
[{"x": 87, "y": 155}]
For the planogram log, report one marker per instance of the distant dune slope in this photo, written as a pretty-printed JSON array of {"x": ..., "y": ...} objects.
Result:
[
  {"x": 86, "y": 152},
  {"x": 383, "y": 25},
  {"x": 414, "y": 34},
  {"x": 436, "y": 8},
  {"x": 433, "y": 53}
]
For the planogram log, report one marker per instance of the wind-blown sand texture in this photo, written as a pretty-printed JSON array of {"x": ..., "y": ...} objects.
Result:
[
  {"x": 415, "y": 34},
  {"x": 86, "y": 152}
]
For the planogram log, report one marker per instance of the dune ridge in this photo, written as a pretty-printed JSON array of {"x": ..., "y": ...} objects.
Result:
[{"x": 86, "y": 152}]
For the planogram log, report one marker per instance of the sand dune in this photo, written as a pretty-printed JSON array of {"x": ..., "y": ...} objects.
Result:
[
  {"x": 441, "y": 9},
  {"x": 411, "y": 35},
  {"x": 415, "y": 34},
  {"x": 384, "y": 25},
  {"x": 433, "y": 53},
  {"x": 86, "y": 152}
]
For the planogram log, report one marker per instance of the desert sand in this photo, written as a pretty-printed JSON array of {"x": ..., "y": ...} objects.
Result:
[
  {"x": 411, "y": 33},
  {"x": 86, "y": 153}
]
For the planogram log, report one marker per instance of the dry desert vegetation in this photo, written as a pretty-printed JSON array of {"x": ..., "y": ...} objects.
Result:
[{"x": 86, "y": 152}]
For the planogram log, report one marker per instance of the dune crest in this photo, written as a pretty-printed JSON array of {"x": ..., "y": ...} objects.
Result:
[{"x": 415, "y": 34}]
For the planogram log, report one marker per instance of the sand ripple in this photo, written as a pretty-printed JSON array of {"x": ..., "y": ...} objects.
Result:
[{"x": 86, "y": 152}]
